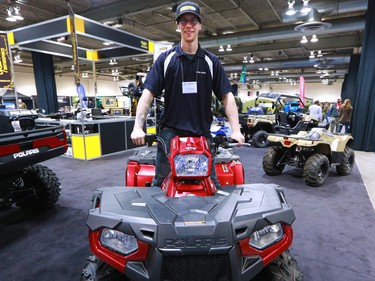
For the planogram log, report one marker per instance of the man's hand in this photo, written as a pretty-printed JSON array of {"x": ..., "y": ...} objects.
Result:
[
  {"x": 138, "y": 137},
  {"x": 238, "y": 136}
]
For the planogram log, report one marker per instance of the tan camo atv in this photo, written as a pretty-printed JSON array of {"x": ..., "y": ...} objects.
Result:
[{"x": 315, "y": 151}]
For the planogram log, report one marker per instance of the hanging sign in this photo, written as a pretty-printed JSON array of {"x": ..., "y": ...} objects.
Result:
[{"x": 5, "y": 63}]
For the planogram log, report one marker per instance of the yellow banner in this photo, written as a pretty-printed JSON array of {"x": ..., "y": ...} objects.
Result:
[{"x": 5, "y": 63}]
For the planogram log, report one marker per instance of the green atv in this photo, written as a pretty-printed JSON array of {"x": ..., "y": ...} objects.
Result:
[{"x": 315, "y": 151}]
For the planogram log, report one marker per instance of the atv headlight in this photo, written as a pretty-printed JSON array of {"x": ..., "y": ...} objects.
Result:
[
  {"x": 191, "y": 165},
  {"x": 118, "y": 241},
  {"x": 266, "y": 236}
]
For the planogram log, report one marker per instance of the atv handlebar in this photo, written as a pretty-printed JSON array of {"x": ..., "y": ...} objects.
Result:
[{"x": 218, "y": 140}]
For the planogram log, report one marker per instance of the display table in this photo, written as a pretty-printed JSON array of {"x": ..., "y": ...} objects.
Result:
[{"x": 91, "y": 139}]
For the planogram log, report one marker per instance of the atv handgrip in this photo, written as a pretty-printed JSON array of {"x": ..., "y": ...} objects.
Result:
[
  {"x": 234, "y": 143},
  {"x": 150, "y": 138}
]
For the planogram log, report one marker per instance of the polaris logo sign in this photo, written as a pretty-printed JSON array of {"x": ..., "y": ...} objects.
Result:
[
  {"x": 25, "y": 153},
  {"x": 190, "y": 242}
]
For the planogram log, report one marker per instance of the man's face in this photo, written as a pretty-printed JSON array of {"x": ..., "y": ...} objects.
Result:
[
  {"x": 338, "y": 101},
  {"x": 189, "y": 26}
]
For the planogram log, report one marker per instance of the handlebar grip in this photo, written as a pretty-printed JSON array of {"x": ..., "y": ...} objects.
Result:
[{"x": 150, "y": 138}]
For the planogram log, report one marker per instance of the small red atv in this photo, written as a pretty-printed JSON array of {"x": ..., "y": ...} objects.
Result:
[{"x": 188, "y": 229}]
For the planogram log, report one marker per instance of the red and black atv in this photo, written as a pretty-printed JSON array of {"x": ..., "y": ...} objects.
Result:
[
  {"x": 188, "y": 229},
  {"x": 23, "y": 181}
]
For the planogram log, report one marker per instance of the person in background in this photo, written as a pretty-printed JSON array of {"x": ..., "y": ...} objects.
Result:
[
  {"x": 334, "y": 112},
  {"x": 325, "y": 109},
  {"x": 345, "y": 115},
  {"x": 21, "y": 104},
  {"x": 315, "y": 110},
  {"x": 188, "y": 74}
]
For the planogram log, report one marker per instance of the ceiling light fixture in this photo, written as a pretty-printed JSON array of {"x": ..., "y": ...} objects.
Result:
[
  {"x": 107, "y": 43},
  {"x": 319, "y": 55},
  {"x": 113, "y": 62},
  {"x": 306, "y": 8},
  {"x": 17, "y": 59},
  {"x": 251, "y": 58},
  {"x": 244, "y": 59},
  {"x": 85, "y": 75},
  {"x": 314, "y": 39},
  {"x": 119, "y": 23},
  {"x": 312, "y": 55},
  {"x": 290, "y": 11},
  {"x": 116, "y": 78},
  {"x": 17, "y": 13},
  {"x": 221, "y": 49},
  {"x": 304, "y": 40},
  {"x": 229, "y": 48},
  {"x": 16, "y": 16}
]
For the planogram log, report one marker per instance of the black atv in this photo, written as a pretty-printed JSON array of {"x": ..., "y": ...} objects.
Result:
[{"x": 23, "y": 181}]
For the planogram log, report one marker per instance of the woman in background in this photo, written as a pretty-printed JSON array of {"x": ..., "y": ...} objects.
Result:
[{"x": 345, "y": 115}]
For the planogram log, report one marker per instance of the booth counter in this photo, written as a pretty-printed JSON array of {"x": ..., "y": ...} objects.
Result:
[{"x": 91, "y": 139}]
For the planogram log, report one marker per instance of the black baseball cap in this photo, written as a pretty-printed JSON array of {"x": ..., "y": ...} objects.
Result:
[{"x": 188, "y": 7}]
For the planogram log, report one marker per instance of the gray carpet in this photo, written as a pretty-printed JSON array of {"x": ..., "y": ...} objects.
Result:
[{"x": 333, "y": 233}]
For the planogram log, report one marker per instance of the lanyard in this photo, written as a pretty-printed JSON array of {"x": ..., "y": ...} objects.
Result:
[{"x": 196, "y": 72}]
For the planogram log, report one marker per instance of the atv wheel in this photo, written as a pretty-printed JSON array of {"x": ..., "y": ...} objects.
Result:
[
  {"x": 260, "y": 139},
  {"x": 283, "y": 268},
  {"x": 316, "y": 170},
  {"x": 97, "y": 270},
  {"x": 270, "y": 159},
  {"x": 347, "y": 162},
  {"x": 45, "y": 188}
]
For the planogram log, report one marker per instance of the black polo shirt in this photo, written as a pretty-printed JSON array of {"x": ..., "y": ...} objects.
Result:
[{"x": 187, "y": 112}]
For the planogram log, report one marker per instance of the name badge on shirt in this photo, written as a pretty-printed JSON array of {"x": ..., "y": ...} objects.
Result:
[{"x": 189, "y": 87}]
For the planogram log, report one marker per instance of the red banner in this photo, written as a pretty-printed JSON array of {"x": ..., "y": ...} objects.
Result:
[{"x": 5, "y": 63}]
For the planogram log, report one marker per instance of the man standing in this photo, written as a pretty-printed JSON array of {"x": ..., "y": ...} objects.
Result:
[
  {"x": 21, "y": 104},
  {"x": 188, "y": 74},
  {"x": 334, "y": 113},
  {"x": 315, "y": 110}
]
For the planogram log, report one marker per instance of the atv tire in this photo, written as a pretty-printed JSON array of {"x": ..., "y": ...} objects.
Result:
[
  {"x": 270, "y": 159},
  {"x": 97, "y": 270},
  {"x": 347, "y": 162},
  {"x": 259, "y": 139},
  {"x": 283, "y": 268},
  {"x": 316, "y": 170},
  {"x": 45, "y": 188}
]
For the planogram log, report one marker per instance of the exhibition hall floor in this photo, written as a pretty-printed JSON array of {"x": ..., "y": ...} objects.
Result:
[{"x": 333, "y": 232}]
